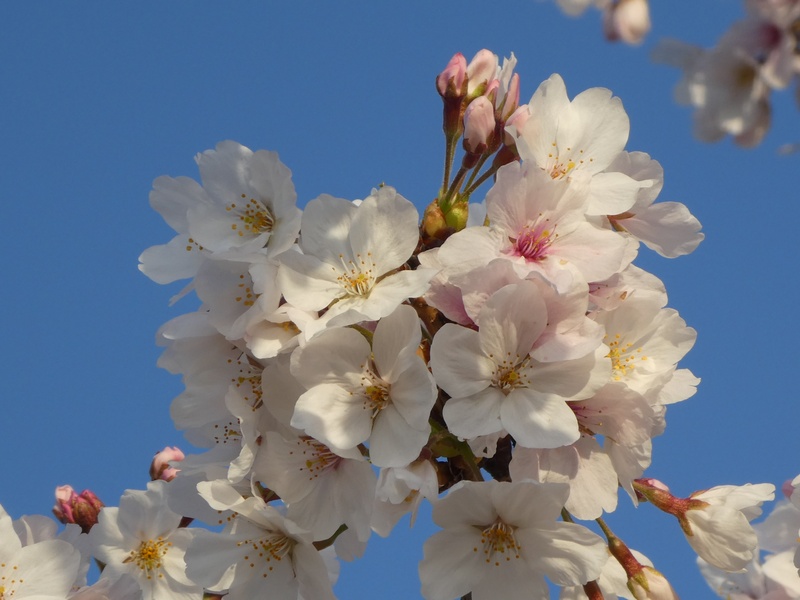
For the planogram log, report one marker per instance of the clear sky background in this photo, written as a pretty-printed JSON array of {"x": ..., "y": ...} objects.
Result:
[{"x": 99, "y": 98}]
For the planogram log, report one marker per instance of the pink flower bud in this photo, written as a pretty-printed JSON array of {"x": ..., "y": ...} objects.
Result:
[
  {"x": 517, "y": 122},
  {"x": 450, "y": 82},
  {"x": 160, "y": 467},
  {"x": 81, "y": 509},
  {"x": 479, "y": 125},
  {"x": 511, "y": 102},
  {"x": 481, "y": 69},
  {"x": 627, "y": 20}
]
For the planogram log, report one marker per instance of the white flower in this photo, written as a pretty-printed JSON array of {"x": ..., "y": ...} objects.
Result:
[
  {"x": 252, "y": 202},
  {"x": 540, "y": 226},
  {"x": 666, "y": 227},
  {"x": 142, "y": 538},
  {"x": 717, "y": 524},
  {"x": 401, "y": 490},
  {"x": 495, "y": 381},
  {"x": 725, "y": 87},
  {"x": 261, "y": 554},
  {"x": 383, "y": 394},
  {"x": 350, "y": 256},
  {"x": 246, "y": 204},
  {"x": 323, "y": 489},
  {"x": 627, "y": 20},
  {"x": 42, "y": 570},
  {"x": 578, "y": 140},
  {"x": 500, "y": 540}
]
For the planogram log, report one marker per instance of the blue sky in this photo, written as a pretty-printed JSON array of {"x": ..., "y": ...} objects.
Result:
[{"x": 100, "y": 98}]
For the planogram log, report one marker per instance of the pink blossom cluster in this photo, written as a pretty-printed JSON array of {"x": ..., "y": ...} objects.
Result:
[
  {"x": 730, "y": 85},
  {"x": 505, "y": 361}
]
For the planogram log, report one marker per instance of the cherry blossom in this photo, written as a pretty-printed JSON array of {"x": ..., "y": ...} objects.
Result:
[
  {"x": 502, "y": 540},
  {"x": 141, "y": 538}
]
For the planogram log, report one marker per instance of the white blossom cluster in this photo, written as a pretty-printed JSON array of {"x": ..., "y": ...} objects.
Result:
[
  {"x": 352, "y": 360},
  {"x": 730, "y": 85}
]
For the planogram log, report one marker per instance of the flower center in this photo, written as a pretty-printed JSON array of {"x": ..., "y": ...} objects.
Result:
[
  {"x": 376, "y": 391},
  {"x": 561, "y": 167},
  {"x": 248, "y": 383},
  {"x": 318, "y": 457},
  {"x": 148, "y": 556},
  {"x": 511, "y": 373},
  {"x": 622, "y": 358},
  {"x": 273, "y": 547},
  {"x": 534, "y": 241},
  {"x": 254, "y": 218},
  {"x": 499, "y": 544},
  {"x": 227, "y": 432},
  {"x": 244, "y": 293},
  {"x": 357, "y": 277}
]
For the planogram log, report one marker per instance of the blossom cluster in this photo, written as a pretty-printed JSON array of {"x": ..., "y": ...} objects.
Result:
[
  {"x": 354, "y": 359},
  {"x": 730, "y": 85},
  {"x": 627, "y": 21}
]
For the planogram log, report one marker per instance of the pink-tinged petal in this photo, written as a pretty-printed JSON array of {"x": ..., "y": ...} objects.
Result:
[
  {"x": 612, "y": 193},
  {"x": 596, "y": 123},
  {"x": 471, "y": 248},
  {"x": 573, "y": 379},
  {"x": 458, "y": 364},
  {"x": 666, "y": 227},
  {"x": 597, "y": 253},
  {"x": 512, "y": 320},
  {"x": 333, "y": 415},
  {"x": 617, "y": 412},
  {"x": 538, "y": 135},
  {"x": 538, "y": 420},
  {"x": 478, "y": 414}
]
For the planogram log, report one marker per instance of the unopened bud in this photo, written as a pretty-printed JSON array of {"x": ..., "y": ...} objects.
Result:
[
  {"x": 649, "y": 584},
  {"x": 434, "y": 224},
  {"x": 627, "y": 20},
  {"x": 451, "y": 83},
  {"x": 480, "y": 71},
  {"x": 160, "y": 467},
  {"x": 81, "y": 509},
  {"x": 511, "y": 101},
  {"x": 479, "y": 125},
  {"x": 514, "y": 125}
]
